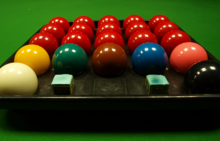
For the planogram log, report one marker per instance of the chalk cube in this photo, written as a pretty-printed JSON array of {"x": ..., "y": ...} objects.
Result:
[
  {"x": 63, "y": 84},
  {"x": 157, "y": 84}
]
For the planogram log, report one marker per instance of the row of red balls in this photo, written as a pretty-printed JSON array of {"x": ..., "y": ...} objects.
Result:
[
  {"x": 174, "y": 38},
  {"x": 177, "y": 44},
  {"x": 80, "y": 33},
  {"x": 159, "y": 30},
  {"x": 134, "y": 27}
]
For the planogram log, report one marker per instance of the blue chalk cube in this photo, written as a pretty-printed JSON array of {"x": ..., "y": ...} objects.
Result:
[
  {"x": 157, "y": 84},
  {"x": 63, "y": 84}
]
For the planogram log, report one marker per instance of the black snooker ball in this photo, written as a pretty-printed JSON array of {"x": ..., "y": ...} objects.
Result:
[{"x": 203, "y": 78}]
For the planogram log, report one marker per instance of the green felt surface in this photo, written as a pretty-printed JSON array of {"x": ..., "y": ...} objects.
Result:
[{"x": 21, "y": 19}]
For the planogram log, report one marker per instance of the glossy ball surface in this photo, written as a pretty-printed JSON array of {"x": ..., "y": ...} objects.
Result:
[
  {"x": 185, "y": 55},
  {"x": 46, "y": 41},
  {"x": 108, "y": 18},
  {"x": 162, "y": 28},
  {"x": 109, "y": 60},
  {"x": 82, "y": 27},
  {"x": 54, "y": 29},
  {"x": 17, "y": 79},
  {"x": 203, "y": 78},
  {"x": 33, "y": 56},
  {"x": 61, "y": 22},
  {"x": 135, "y": 26},
  {"x": 140, "y": 37},
  {"x": 70, "y": 59},
  {"x": 85, "y": 19},
  {"x": 130, "y": 19},
  {"x": 109, "y": 37},
  {"x": 149, "y": 58},
  {"x": 155, "y": 20},
  {"x": 172, "y": 39},
  {"x": 108, "y": 26},
  {"x": 79, "y": 39}
]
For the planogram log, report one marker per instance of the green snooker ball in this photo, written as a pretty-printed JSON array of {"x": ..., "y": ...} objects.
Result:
[{"x": 69, "y": 59}]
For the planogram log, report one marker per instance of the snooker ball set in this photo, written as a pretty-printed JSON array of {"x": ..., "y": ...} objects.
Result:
[{"x": 152, "y": 46}]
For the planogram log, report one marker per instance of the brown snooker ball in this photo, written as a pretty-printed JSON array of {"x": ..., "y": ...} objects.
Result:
[{"x": 109, "y": 59}]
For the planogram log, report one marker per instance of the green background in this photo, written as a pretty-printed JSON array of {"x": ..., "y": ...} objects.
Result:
[{"x": 21, "y": 19}]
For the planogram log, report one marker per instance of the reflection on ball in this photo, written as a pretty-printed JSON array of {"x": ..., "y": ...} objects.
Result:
[
  {"x": 69, "y": 59},
  {"x": 109, "y": 59},
  {"x": 17, "y": 79},
  {"x": 185, "y": 55},
  {"x": 203, "y": 78},
  {"x": 149, "y": 58},
  {"x": 35, "y": 57}
]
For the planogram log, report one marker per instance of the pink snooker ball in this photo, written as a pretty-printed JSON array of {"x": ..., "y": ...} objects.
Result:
[{"x": 185, "y": 55}]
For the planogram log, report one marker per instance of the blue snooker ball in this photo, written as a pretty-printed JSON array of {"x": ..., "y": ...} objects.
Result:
[{"x": 149, "y": 58}]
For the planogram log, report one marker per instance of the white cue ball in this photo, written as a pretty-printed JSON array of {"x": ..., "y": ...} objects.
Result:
[{"x": 17, "y": 79}]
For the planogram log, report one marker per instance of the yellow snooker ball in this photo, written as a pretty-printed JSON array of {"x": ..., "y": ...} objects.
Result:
[
  {"x": 17, "y": 79},
  {"x": 35, "y": 57}
]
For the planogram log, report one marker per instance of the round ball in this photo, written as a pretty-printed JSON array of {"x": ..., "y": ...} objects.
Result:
[
  {"x": 109, "y": 37},
  {"x": 35, "y": 57},
  {"x": 109, "y": 60},
  {"x": 17, "y": 79},
  {"x": 69, "y": 59},
  {"x": 79, "y": 39},
  {"x": 54, "y": 29},
  {"x": 130, "y": 19},
  {"x": 172, "y": 39},
  {"x": 140, "y": 37},
  {"x": 108, "y": 26},
  {"x": 135, "y": 26},
  {"x": 155, "y": 20},
  {"x": 46, "y": 41},
  {"x": 185, "y": 55},
  {"x": 82, "y": 27},
  {"x": 108, "y": 18},
  {"x": 61, "y": 22},
  {"x": 149, "y": 58},
  {"x": 85, "y": 19},
  {"x": 162, "y": 28},
  {"x": 203, "y": 78}
]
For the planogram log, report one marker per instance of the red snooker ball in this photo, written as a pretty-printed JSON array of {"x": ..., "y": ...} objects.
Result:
[
  {"x": 61, "y": 22},
  {"x": 135, "y": 26},
  {"x": 109, "y": 37},
  {"x": 85, "y": 19},
  {"x": 185, "y": 55},
  {"x": 79, "y": 39},
  {"x": 108, "y": 18},
  {"x": 108, "y": 26},
  {"x": 154, "y": 21},
  {"x": 82, "y": 27},
  {"x": 46, "y": 41},
  {"x": 54, "y": 29},
  {"x": 130, "y": 19},
  {"x": 162, "y": 28},
  {"x": 172, "y": 39},
  {"x": 140, "y": 37}
]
